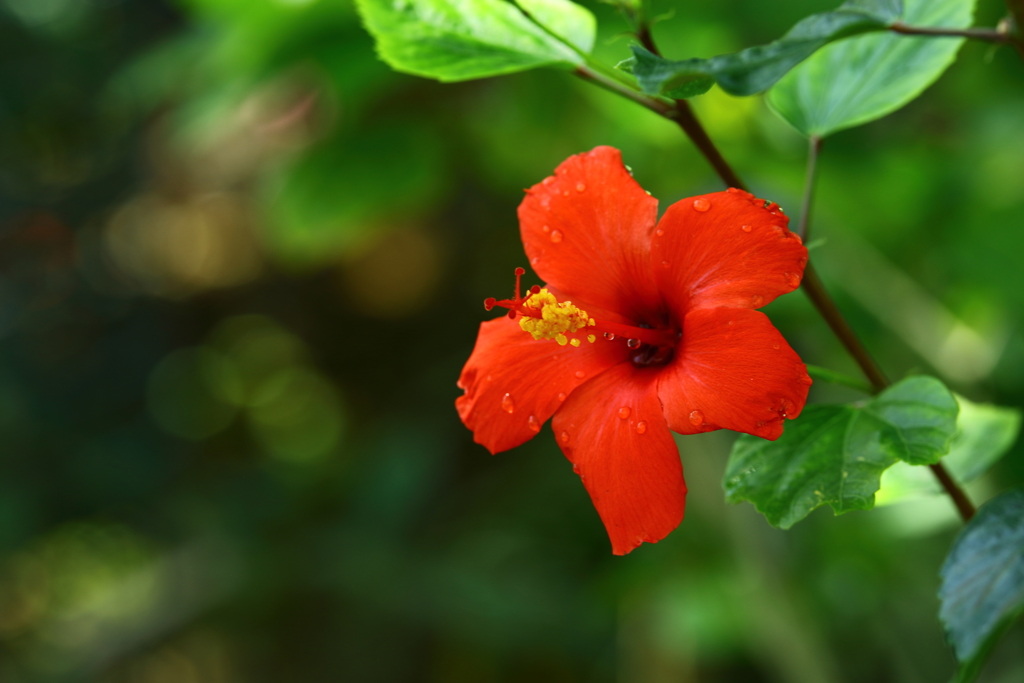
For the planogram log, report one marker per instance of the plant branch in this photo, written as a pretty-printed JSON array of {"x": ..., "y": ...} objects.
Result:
[
  {"x": 682, "y": 114},
  {"x": 687, "y": 120},
  {"x": 819, "y": 296},
  {"x": 1015, "y": 24},
  {"x": 658, "y": 105},
  {"x": 992, "y": 35},
  {"x": 813, "y": 150},
  {"x": 963, "y": 504},
  {"x": 815, "y": 290},
  {"x": 678, "y": 111}
]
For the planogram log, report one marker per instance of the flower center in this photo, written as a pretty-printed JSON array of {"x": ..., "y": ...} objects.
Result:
[{"x": 543, "y": 316}]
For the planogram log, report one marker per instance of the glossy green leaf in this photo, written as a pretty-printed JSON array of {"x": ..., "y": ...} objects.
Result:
[
  {"x": 835, "y": 454},
  {"x": 985, "y": 433},
  {"x": 756, "y": 69},
  {"x": 864, "y": 78},
  {"x": 983, "y": 581},
  {"x": 573, "y": 23},
  {"x": 457, "y": 40}
]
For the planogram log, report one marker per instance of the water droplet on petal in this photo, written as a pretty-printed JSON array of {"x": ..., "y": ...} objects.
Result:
[
  {"x": 776, "y": 347},
  {"x": 633, "y": 343},
  {"x": 696, "y": 418},
  {"x": 581, "y": 374},
  {"x": 556, "y": 236},
  {"x": 659, "y": 232},
  {"x": 533, "y": 424},
  {"x": 566, "y": 193},
  {"x": 580, "y": 187},
  {"x": 564, "y": 437},
  {"x": 701, "y": 204},
  {"x": 793, "y": 279},
  {"x": 641, "y": 427},
  {"x": 535, "y": 260},
  {"x": 664, "y": 264},
  {"x": 757, "y": 300},
  {"x": 562, "y": 397},
  {"x": 747, "y": 228},
  {"x": 506, "y": 403},
  {"x": 610, "y": 336},
  {"x": 575, "y": 468},
  {"x": 546, "y": 228},
  {"x": 550, "y": 179},
  {"x": 624, "y": 412}
]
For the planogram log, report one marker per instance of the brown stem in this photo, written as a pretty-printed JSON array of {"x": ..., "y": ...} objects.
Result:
[
  {"x": 813, "y": 150},
  {"x": 1015, "y": 24},
  {"x": 684, "y": 116},
  {"x": 992, "y": 35},
  {"x": 643, "y": 34},
  {"x": 963, "y": 504},
  {"x": 816, "y": 292}
]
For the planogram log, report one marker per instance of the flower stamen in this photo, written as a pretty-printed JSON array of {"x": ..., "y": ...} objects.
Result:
[{"x": 544, "y": 317}]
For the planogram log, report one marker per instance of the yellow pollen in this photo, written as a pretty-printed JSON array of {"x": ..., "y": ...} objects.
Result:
[
  {"x": 556, "y": 319},
  {"x": 591, "y": 338}
]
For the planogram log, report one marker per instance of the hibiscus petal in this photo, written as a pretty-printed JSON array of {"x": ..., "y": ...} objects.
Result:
[
  {"x": 613, "y": 431},
  {"x": 514, "y": 383},
  {"x": 725, "y": 249},
  {"x": 587, "y": 231},
  {"x": 732, "y": 370}
]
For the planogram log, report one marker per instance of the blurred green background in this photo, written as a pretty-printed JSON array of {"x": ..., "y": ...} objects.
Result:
[{"x": 241, "y": 265}]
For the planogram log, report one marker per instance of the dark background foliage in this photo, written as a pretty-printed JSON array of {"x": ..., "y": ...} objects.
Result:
[{"x": 241, "y": 264}]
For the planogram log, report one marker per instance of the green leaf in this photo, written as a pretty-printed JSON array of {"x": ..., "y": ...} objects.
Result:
[
  {"x": 757, "y": 68},
  {"x": 457, "y": 40},
  {"x": 986, "y": 433},
  {"x": 983, "y": 581},
  {"x": 864, "y": 78},
  {"x": 573, "y": 23},
  {"x": 835, "y": 454}
]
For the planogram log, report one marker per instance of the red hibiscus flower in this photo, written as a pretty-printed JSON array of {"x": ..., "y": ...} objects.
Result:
[{"x": 644, "y": 326}]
